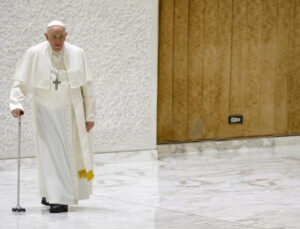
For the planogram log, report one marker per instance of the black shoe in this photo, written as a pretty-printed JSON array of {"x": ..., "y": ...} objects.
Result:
[
  {"x": 44, "y": 201},
  {"x": 58, "y": 208}
]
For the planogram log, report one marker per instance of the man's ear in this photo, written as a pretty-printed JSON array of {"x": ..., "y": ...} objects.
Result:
[
  {"x": 46, "y": 35},
  {"x": 66, "y": 34}
]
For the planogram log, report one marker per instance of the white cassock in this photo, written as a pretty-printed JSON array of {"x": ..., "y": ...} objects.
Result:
[{"x": 63, "y": 146}]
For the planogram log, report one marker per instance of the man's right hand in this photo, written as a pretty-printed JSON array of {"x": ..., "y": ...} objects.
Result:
[{"x": 17, "y": 113}]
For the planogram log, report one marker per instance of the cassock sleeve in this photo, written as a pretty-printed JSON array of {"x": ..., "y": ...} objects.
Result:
[
  {"x": 22, "y": 81},
  {"x": 87, "y": 90},
  {"x": 89, "y": 101},
  {"x": 17, "y": 96},
  {"x": 24, "y": 68}
]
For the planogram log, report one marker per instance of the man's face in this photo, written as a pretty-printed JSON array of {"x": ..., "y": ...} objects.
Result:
[{"x": 56, "y": 36}]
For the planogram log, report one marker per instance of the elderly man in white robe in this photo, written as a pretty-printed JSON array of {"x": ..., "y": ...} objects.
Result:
[{"x": 58, "y": 76}]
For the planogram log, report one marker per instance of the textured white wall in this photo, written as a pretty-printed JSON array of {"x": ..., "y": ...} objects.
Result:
[{"x": 120, "y": 40}]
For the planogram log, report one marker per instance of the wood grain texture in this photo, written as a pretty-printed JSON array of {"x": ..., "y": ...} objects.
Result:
[
  {"x": 165, "y": 70},
  {"x": 224, "y": 42},
  {"x": 179, "y": 112},
  {"x": 294, "y": 77},
  {"x": 210, "y": 67},
  {"x": 230, "y": 57},
  {"x": 238, "y": 65},
  {"x": 195, "y": 68},
  {"x": 253, "y": 69},
  {"x": 268, "y": 68},
  {"x": 282, "y": 66}
]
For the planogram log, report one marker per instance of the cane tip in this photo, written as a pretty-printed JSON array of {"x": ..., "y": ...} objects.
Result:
[{"x": 18, "y": 209}]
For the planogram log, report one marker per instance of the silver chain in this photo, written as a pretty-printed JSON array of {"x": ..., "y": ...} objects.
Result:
[{"x": 60, "y": 64}]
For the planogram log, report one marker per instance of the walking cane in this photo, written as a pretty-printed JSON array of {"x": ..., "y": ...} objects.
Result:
[{"x": 19, "y": 208}]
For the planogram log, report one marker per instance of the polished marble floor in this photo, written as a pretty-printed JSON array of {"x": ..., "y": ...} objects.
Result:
[{"x": 258, "y": 188}]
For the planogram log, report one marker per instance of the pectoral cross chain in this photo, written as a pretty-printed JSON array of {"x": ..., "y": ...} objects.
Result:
[{"x": 56, "y": 82}]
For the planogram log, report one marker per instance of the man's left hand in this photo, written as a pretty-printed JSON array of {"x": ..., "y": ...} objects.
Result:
[{"x": 89, "y": 126}]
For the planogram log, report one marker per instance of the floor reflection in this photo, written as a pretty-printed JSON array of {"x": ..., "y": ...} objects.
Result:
[{"x": 178, "y": 191}]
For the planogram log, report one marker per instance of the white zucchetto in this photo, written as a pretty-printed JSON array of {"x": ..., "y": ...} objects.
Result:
[{"x": 56, "y": 22}]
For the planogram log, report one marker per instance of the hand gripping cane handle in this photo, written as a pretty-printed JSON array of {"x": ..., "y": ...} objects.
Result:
[{"x": 19, "y": 208}]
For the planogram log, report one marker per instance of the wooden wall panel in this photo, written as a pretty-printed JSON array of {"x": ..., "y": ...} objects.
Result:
[
  {"x": 179, "y": 113},
  {"x": 195, "y": 68},
  {"x": 282, "y": 57},
  {"x": 224, "y": 41},
  {"x": 268, "y": 68},
  {"x": 227, "y": 57},
  {"x": 165, "y": 70},
  {"x": 210, "y": 67},
  {"x": 253, "y": 71},
  {"x": 238, "y": 65},
  {"x": 294, "y": 74}
]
